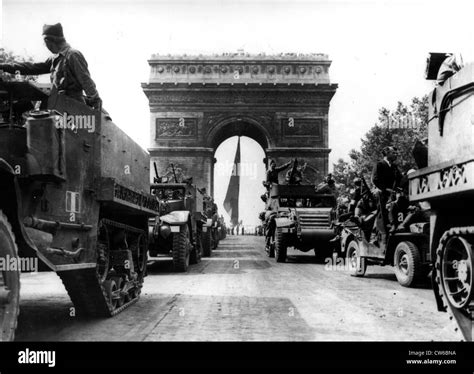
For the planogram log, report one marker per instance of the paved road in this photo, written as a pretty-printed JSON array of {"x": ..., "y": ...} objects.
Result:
[{"x": 241, "y": 295}]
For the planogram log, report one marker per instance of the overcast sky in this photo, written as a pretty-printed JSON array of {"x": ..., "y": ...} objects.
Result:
[{"x": 378, "y": 48}]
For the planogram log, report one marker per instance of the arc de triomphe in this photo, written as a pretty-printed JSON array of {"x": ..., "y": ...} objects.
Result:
[{"x": 280, "y": 101}]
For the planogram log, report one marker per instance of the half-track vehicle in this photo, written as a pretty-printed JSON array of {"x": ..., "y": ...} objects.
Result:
[
  {"x": 297, "y": 216},
  {"x": 177, "y": 231},
  {"x": 446, "y": 182},
  {"x": 74, "y": 193}
]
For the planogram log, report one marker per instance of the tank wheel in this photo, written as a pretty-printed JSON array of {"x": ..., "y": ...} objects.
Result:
[
  {"x": 113, "y": 293},
  {"x": 181, "y": 249},
  {"x": 9, "y": 283},
  {"x": 206, "y": 243},
  {"x": 119, "y": 283},
  {"x": 455, "y": 278},
  {"x": 140, "y": 254},
  {"x": 103, "y": 256},
  {"x": 407, "y": 263},
  {"x": 357, "y": 264},
  {"x": 90, "y": 296},
  {"x": 281, "y": 246}
]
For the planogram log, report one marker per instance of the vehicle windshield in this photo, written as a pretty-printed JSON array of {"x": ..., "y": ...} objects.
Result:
[
  {"x": 167, "y": 193},
  {"x": 309, "y": 202}
]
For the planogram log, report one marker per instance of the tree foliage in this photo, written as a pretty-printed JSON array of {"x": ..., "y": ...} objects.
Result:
[
  {"x": 399, "y": 128},
  {"x": 8, "y": 57}
]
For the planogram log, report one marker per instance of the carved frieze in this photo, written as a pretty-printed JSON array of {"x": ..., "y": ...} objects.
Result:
[
  {"x": 176, "y": 128},
  {"x": 206, "y": 96}
]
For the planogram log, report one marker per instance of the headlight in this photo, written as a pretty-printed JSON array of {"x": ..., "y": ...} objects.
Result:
[{"x": 165, "y": 231}]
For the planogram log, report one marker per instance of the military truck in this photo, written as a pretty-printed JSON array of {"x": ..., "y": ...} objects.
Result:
[
  {"x": 445, "y": 181},
  {"x": 297, "y": 216},
  {"x": 177, "y": 231},
  {"x": 74, "y": 193}
]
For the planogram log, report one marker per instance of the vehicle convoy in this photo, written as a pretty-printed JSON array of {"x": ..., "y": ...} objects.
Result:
[
  {"x": 367, "y": 240},
  {"x": 446, "y": 182},
  {"x": 297, "y": 216},
  {"x": 178, "y": 229},
  {"x": 74, "y": 193}
]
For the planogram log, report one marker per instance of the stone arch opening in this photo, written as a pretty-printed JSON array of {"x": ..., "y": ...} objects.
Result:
[
  {"x": 239, "y": 126},
  {"x": 251, "y": 173}
]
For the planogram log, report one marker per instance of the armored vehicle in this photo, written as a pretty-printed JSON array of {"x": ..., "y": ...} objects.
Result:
[
  {"x": 446, "y": 182},
  {"x": 178, "y": 229},
  {"x": 297, "y": 216},
  {"x": 74, "y": 193}
]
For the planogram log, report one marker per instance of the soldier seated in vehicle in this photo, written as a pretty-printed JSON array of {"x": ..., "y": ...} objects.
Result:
[
  {"x": 406, "y": 212},
  {"x": 450, "y": 66},
  {"x": 328, "y": 186},
  {"x": 365, "y": 213},
  {"x": 356, "y": 194}
]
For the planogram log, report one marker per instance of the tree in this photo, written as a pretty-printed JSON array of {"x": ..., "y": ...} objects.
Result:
[
  {"x": 7, "y": 57},
  {"x": 399, "y": 128},
  {"x": 343, "y": 173}
]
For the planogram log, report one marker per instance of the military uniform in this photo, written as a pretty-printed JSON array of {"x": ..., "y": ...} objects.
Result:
[
  {"x": 68, "y": 68},
  {"x": 386, "y": 177},
  {"x": 272, "y": 174}
]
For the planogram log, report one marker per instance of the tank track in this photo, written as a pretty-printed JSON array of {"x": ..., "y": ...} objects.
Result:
[
  {"x": 86, "y": 292},
  {"x": 462, "y": 319}
]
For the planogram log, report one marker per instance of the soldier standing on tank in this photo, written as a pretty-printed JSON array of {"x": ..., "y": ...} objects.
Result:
[
  {"x": 68, "y": 68},
  {"x": 273, "y": 170}
]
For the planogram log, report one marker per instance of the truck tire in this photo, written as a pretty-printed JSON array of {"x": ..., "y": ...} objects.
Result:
[
  {"x": 196, "y": 253},
  {"x": 215, "y": 239},
  {"x": 9, "y": 283},
  {"x": 358, "y": 265},
  {"x": 407, "y": 263},
  {"x": 270, "y": 249},
  {"x": 281, "y": 246},
  {"x": 206, "y": 243},
  {"x": 181, "y": 249}
]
